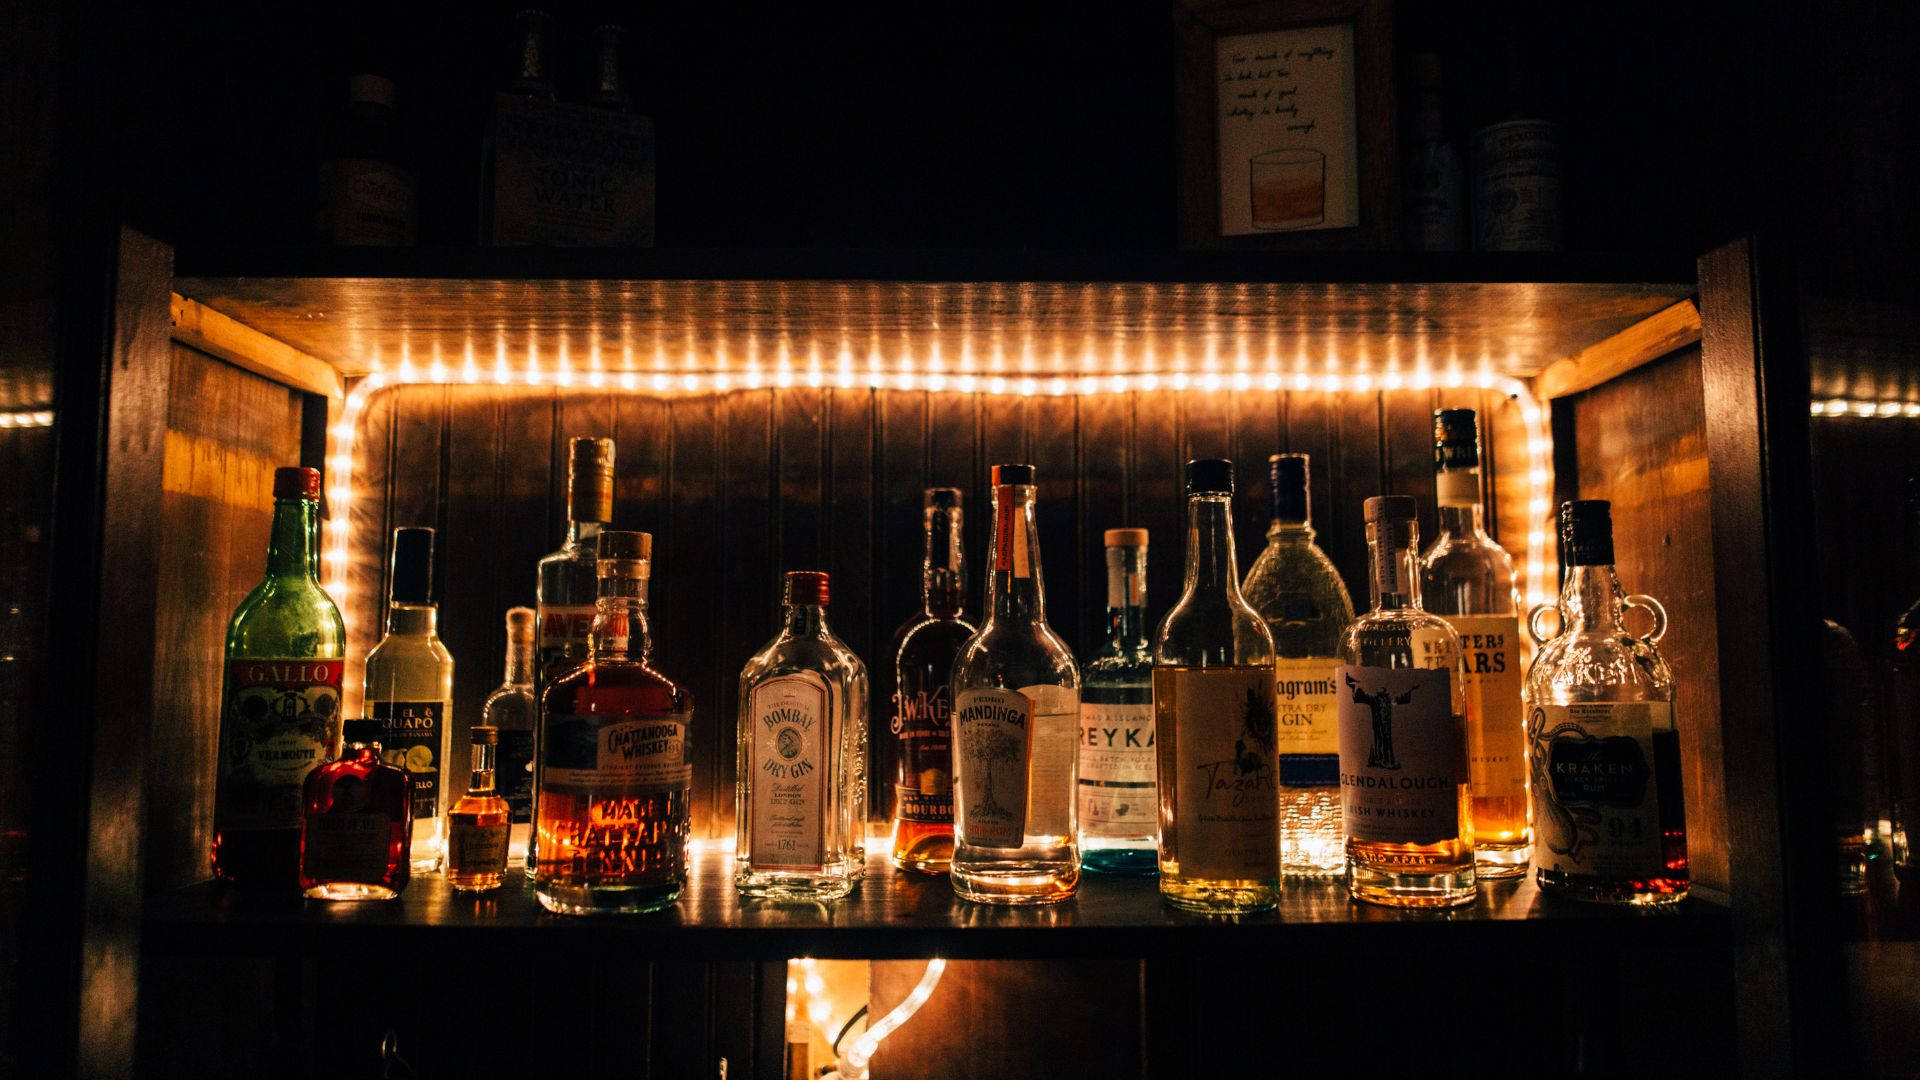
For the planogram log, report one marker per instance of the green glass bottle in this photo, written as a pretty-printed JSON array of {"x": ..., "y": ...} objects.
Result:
[{"x": 280, "y": 715}]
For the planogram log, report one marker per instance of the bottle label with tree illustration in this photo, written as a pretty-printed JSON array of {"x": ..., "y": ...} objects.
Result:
[
  {"x": 1015, "y": 753},
  {"x": 1402, "y": 754}
]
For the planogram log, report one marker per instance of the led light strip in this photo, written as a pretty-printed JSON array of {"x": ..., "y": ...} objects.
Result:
[
  {"x": 31, "y": 418},
  {"x": 1909, "y": 410},
  {"x": 853, "y": 1066}
]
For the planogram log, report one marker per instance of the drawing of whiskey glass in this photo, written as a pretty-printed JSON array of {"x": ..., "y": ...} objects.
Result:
[{"x": 1289, "y": 188}]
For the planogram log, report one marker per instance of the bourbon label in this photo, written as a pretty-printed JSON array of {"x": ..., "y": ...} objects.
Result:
[
  {"x": 1402, "y": 754},
  {"x": 922, "y": 722},
  {"x": 1596, "y": 808},
  {"x": 1491, "y": 676},
  {"x": 1226, "y": 805},
  {"x": 598, "y": 758},
  {"x": 790, "y": 717},
  {"x": 1307, "y": 721},
  {"x": 281, "y": 721},
  {"x": 1117, "y": 769},
  {"x": 413, "y": 738}
]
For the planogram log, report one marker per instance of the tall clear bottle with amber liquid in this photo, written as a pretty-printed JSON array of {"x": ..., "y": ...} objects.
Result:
[
  {"x": 1601, "y": 741},
  {"x": 1467, "y": 579},
  {"x": 409, "y": 691},
  {"x": 920, "y": 720},
  {"x": 1403, "y": 740},
  {"x": 1016, "y": 726},
  {"x": 1213, "y": 705}
]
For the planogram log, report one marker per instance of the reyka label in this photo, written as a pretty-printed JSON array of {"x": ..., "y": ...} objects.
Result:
[
  {"x": 281, "y": 721},
  {"x": 1596, "y": 808},
  {"x": 789, "y": 717},
  {"x": 597, "y": 758},
  {"x": 1307, "y": 721},
  {"x": 1491, "y": 676},
  {"x": 922, "y": 722},
  {"x": 1402, "y": 754},
  {"x": 1226, "y": 804},
  {"x": 1117, "y": 769},
  {"x": 560, "y": 637},
  {"x": 413, "y": 740}
]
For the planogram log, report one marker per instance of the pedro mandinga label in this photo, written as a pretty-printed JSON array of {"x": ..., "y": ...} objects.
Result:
[{"x": 281, "y": 721}]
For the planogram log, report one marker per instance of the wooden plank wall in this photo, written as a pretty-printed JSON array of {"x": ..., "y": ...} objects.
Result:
[{"x": 738, "y": 487}]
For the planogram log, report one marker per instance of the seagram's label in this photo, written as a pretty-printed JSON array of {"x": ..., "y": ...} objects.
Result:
[
  {"x": 1402, "y": 755},
  {"x": 1226, "y": 805},
  {"x": 1307, "y": 721},
  {"x": 1596, "y": 808},
  {"x": 1490, "y": 675},
  {"x": 1117, "y": 768},
  {"x": 282, "y": 721},
  {"x": 788, "y": 718},
  {"x": 1016, "y": 755}
]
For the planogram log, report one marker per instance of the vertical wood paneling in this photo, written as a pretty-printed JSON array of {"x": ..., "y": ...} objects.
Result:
[
  {"x": 471, "y": 611},
  {"x": 690, "y": 565},
  {"x": 799, "y": 455},
  {"x": 1256, "y": 433},
  {"x": 747, "y": 529},
  {"x": 1356, "y": 476},
  {"x": 367, "y": 565},
  {"x": 1103, "y": 506},
  {"x": 1156, "y": 468},
  {"x": 1309, "y": 430},
  {"x": 849, "y": 454},
  {"x": 1053, "y": 445},
  {"x": 904, "y": 436},
  {"x": 1407, "y": 434}
]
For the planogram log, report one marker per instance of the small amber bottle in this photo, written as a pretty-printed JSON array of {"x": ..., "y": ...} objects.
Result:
[{"x": 477, "y": 825}]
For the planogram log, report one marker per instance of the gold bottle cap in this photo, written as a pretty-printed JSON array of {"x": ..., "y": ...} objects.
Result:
[
  {"x": 1125, "y": 537},
  {"x": 590, "y": 479}
]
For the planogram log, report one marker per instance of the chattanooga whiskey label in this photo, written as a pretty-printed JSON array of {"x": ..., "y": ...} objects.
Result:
[
  {"x": 592, "y": 757},
  {"x": 789, "y": 782},
  {"x": 1490, "y": 674},
  {"x": 1401, "y": 763},
  {"x": 410, "y": 740},
  {"x": 922, "y": 722},
  {"x": 1117, "y": 765},
  {"x": 282, "y": 721},
  {"x": 1307, "y": 721},
  {"x": 1596, "y": 809},
  {"x": 1226, "y": 808},
  {"x": 560, "y": 636}
]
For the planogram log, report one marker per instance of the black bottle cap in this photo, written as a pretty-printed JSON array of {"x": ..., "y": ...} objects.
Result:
[
  {"x": 943, "y": 498},
  {"x": 1210, "y": 476},
  {"x": 411, "y": 581},
  {"x": 1456, "y": 439},
  {"x": 1391, "y": 508},
  {"x": 1287, "y": 478},
  {"x": 1012, "y": 474},
  {"x": 1586, "y": 532},
  {"x": 362, "y": 730}
]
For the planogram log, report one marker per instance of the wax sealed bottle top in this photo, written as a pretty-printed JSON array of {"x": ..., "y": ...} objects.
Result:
[
  {"x": 411, "y": 580},
  {"x": 624, "y": 554},
  {"x": 296, "y": 482},
  {"x": 1210, "y": 476},
  {"x": 806, "y": 587},
  {"x": 1004, "y": 475},
  {"x": 1391, "y": 508},
  {"x": 590, "y": 479},
  {"x": 1287, "y": 480},
  {"x": 1586, "y": 532}
]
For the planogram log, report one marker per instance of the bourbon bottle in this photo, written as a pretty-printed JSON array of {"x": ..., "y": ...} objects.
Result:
[{"x": 921, "y": 724}]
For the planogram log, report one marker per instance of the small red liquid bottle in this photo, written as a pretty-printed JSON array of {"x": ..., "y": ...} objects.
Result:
[{"x": 355, "y": 843}]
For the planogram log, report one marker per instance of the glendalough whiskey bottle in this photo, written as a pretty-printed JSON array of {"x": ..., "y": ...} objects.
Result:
[
  {"x": 1016, "y": 725},
  {"x": 1213, "y": 702},
  {"x": 409, "y": 689},
  {"x": 510, "y": 710},
  {"x": 1601, "y": 743},
  {"x": 614, "y": 777},
  {"x": 477, "y": 824},
  {"x": 1403, "y": 740},
  {"x": 359, "y": 825},
  {"x": 1295, "y": 588},
  {"x": 1467, "y": 579},
  {"x": 1119, "y": 810},
  {"x": 922, "y": 705},
  {"x": 280, "y": 715},
  {"x": 801, "y": 792}
]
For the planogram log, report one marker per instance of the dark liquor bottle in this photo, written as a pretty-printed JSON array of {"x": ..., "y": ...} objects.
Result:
[
  {"x": 1435, "y": 187},
  {"x": 477, "y": 824},
  {"x": 280, "y": 715},
  {"x": 1516, "y": 161},
  {"x": 359, "y": 823},
  {"x": 922, "y": 704},
  {"x": 367, "y": 196}
]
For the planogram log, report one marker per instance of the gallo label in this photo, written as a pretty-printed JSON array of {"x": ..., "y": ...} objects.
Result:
[{"x": 282, "y": 721}]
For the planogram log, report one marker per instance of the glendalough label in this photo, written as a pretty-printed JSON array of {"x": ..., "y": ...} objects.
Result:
[
  {"x": 789, "y": 784},
  {"x": 1400, "y": 766},
  {"x": 1226, "y": 812},
  {"x": 993, "y": 731},
  {"x": 282, "y": 722},
  {"x": 1596, "y": 806}
]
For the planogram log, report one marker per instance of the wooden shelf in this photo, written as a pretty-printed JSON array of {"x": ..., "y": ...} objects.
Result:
[{"x": 896, "y": 915}]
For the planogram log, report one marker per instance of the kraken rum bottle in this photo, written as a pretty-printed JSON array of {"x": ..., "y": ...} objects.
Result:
[
  {"x": 1601, "y": 743},
  {"x": 409, "y": 691},
  {"x": 1467, "y": 579},
  {"x": 1016, "y": 726},
  {"x": 921, "y": 723},
  {"x": 280, "y": 714},
  {"x": 1403, "y": 739},
  {"x": 1119, "y": 811},
  {"x": 1213, "y": 702}
]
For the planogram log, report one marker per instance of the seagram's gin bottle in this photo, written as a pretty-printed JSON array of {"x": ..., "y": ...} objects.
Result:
[
  {"x": 1016, "y": 726},
  {"x": 1295, "y": 588},
  {"x": 1119, "y": 812},
  {"x": 409, "y": 690}
]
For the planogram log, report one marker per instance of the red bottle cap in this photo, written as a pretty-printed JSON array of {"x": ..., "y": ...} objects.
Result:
[
  {"x": 296, "y": 482},
  {"x": 807, "y": 587}
]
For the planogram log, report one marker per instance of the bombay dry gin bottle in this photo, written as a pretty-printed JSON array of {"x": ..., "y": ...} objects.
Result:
[
  {"x": 1213, "y": 704},
  {"x": 1119, "y": 810},
  {"x": 510, "y": 710},
  {"x": 1016, "y": 727},
  {"x": 1295, "y": 588},
  {"x": 1403, "y": 739},
  {"x": 614, "y": 778},
  {"x": 921, "y": 718},
  {"x": 801, "y": 791},
  {"x": 477, "y": 825},
  {"x": 280, "y": 713},
  {"x": 409, "y": 689},
  {"x": 358, "y": 823},
  {"x": 1467, "y": 579},
  {"x": 1601, "y": 744}
]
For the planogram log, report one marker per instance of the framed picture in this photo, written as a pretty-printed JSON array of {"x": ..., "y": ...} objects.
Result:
[{"x": 1286, "y": 125}]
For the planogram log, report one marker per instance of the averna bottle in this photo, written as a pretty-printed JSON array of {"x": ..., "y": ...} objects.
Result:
[
  {"x": 801, "y": 789},
  {"x": 614, "y": 778},
  {"x": 510, "y": 710},
  {"x": 1016, "y": 725},
  {"x": 409, "y": 690},
  {"x": 1467, "y": 579},
  {"x": 359, "y": 818},
  {"x": 1403, "y": 740},
  {"x": 1295, "y": 588},
  {"x": 1213, "y": 702},
  {"x": 280, "y": 714},
  {"x": 1601, "y": 742},
  {"x": 921, "y": 720},
  {"x": 1119, "y": 810},
  {"x": 477, "y": 826}
]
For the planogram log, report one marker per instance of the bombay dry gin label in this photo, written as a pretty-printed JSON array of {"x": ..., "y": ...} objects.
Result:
[
  {"x": 922, "y": 725},
  {"x": 1306, "y": 721},
  {"x": 1117, "y": 767},
  {"x": 788, "y": 786},
  {"x": 411, "y": 740},
  {"x": 1596, "y": 808},
  {"x": 1401, "y": 759},
  {"x": 1490, "y": 675},
  {"x": 595, "y": 758},
  {"x": 1226, "y": 806},
  {"x": 282, "y": 722},
  {"x": 560, "y": 635}
]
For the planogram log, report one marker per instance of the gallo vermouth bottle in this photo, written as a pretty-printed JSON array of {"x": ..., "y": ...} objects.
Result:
[
  {"x": 280, "y": 714},
  {"x": 921, "y": 722},
  {"x": 409, "y": 689}
]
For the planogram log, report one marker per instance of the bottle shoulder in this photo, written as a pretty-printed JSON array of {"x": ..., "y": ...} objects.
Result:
[
  {"x": 286, "y": 617},
  {"x": 1389, "y": 638},
  {"x": 1002, "y": 654},
  {"x": 615, "y": 687},
  {"x": 1598, "y": 666}
]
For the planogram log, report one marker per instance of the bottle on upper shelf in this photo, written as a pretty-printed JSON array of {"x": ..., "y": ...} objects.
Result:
[
  {"x": 1119, "y": 807},
  {"x": 358, "y": 827},
  {"x": 409, "y": 690},
  {"x": 280, "y": 713},
  {"x": 367, "y": 196},
  {"x": 477, "y": 826},
  {"x": 1295, "y": 588},
  {"x": 1403, "y": 741},
  {"x": 1467, "y": 579},
  {"x": 511, "y": 710},
  {"x": 1515, "y": 153},
  {"x": 1016, "y": 725},
  {"x": 800, "y": 791},
  {"x": 1435, "y": 179},
  {"x": 1608, "y": 809}
]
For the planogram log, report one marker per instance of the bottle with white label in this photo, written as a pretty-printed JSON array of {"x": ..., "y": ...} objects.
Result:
[
  {"x": 1119, "y": 812},
  {"x": 1016, "y": 726},
  {"x": 409, "y": 691},
  {"x": 1609, "y": 818},
  {"x": 510, "y": 710},
  {"x": 1213, "y": 710},
  {"x": 1403, "y": 738},
  {"x": 801, "y": 782},
  {"x": 1295, "y": 588},
  {"x": 1467, "y": 579}
]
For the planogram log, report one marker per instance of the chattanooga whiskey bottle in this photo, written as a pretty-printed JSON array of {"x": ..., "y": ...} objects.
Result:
[
  {"x": 409, "y": 689},
  {"x": 1467, "y": 579},
  {"x": 614, "y": 777},
  {"x": 1016, "y": 725},
  {"x": 1213, "y": 716},
  {"x": 922, "y": 715},
  {"x": 280, "y": 714},
  {"x": 1403, "y": 740},
  {"x": 1119, "y": 810},
  {"x": 1601, "y": 743}
]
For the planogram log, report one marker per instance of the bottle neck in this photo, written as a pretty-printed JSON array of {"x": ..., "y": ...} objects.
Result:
[
  {"x": 805, "y": 620},
  {"x": 1014, "y": 589},
  {"x": 620, "y": 620},
  {"x": 1127, "y": 598},
  {"x": 519, "y": 662},
  {"x": 1457, "y": 499},
  {"x": 1461, "y": 520},
  {"x": 360, "y": 753},
  {"x": 1211, "y": 566},
  {"x": 293, "y": 547},
  {"x": 1289, "y": 531},
  {"x": 412, "y": 620},
  {"x": 1393, "y": 549},
  {"x": 583, "y": 533},
  {"x": 943, "y": 574},
  {"x": 483, "y": 755},
  {"x": 1591, "y": 599},
  {"x": 609, "y": 91}
]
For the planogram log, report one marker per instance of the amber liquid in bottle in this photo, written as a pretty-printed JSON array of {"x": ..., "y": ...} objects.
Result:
[
  {"x": 477, "y": 825},
  {"x": 921, "y": 720}
]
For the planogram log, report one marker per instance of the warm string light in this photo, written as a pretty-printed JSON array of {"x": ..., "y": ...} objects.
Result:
[
  {"x": 31, "y": 418},
  {"x": 853, "y": 1066},
  {"x": 1879, "y": 410}
]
